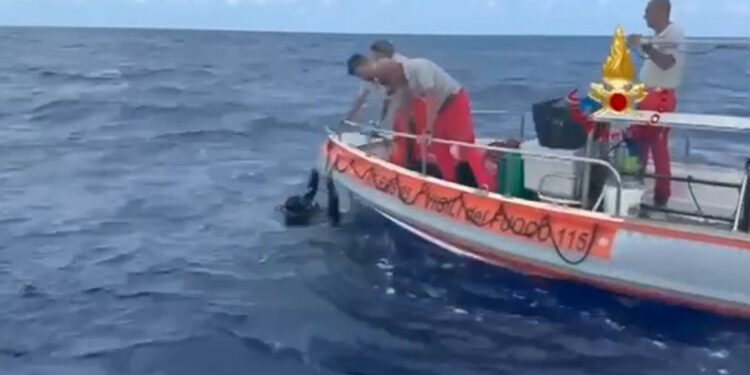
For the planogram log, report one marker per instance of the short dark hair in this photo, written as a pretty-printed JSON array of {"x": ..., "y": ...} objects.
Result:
[
  {"x": 354, "y": 62},
  {"x": 383, "y": 46},
  {"x": 666, "y": 4}
]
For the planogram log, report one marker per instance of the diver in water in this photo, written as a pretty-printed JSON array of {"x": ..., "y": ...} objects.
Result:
[{"x": 300, "y": 210}]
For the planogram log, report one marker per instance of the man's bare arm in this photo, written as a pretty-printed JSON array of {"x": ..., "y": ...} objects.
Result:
[
  {"x": 661, "y": 59},
  {"x": 384, "y": 112},
  {"x": 358, "y": 102},
  {"x": 433, "y": 105}
]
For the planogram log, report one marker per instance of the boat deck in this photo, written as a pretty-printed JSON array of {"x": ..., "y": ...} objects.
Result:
[{"x": 698, "y": 198}]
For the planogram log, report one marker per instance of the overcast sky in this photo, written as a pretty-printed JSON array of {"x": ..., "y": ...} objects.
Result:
[{"x": 598, "y": 17}]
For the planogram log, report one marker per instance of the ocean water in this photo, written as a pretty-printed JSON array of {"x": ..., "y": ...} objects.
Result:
[{"x": 139, "y": 179}]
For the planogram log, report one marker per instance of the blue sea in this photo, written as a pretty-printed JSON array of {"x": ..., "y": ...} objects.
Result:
[{"x": 140, "y": 172}]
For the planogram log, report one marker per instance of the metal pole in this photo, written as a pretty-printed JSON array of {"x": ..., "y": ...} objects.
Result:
[
  {"x": 523, "y": 126},
  {"x": 741, "y": 200},
  {"x": 587, "y": 173},
  {"x": 489, "y": 112},
  {"x": 424, "y": 158}
]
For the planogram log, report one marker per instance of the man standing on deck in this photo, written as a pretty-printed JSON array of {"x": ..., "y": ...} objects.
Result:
[
  {"x": 437, "y": 104},
  {"x": 662, "y": 74},
  {"x": 380, "y": 49}
]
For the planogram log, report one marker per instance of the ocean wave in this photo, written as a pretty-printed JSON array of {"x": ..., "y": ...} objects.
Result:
[
  {"x": 223, "y": 348},
  {"x": 255, "y": 131},
  {"x": 166, "y": 89},
  {"x": 75, "y": 230},
  {"x": 147, "y": 72},
  {"x": 203, "y": 72},
  {"x": 74, "y": 46},
  {"x": 271, "y": 123},
  {"x": 56, "y": 104},
  {"x": 131, "y": 110},
  {"x": 96, "y": 75},
  {"x": 316, "y": 61},
  {"x": 159, "y": 210},
  {"x": 98, "y": 347},
  {"x": 204, "y": 135},
  {"x": 65, "y": 110}
]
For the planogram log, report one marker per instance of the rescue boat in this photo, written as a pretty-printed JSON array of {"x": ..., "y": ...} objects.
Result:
[{"x": 578, "y": 214}]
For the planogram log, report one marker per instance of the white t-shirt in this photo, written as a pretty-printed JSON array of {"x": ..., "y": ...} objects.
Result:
[
  {"x": 399, "y": 57},
  {"x": 425, "y": 77},
  {"x": 373, "y": 87},
  {"x": 654, "y": 76}
]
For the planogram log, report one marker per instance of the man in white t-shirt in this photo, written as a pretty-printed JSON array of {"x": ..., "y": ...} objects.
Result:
[
  {"x": 662, "y": 74},
  {"x": 380, "y": 49}
]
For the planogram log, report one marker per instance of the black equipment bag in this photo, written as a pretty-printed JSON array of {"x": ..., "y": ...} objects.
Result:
[{"x": 555, "y": 128}]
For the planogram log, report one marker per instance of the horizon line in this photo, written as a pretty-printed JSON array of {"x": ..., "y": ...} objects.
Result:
[{"x": 282, "y": 31}]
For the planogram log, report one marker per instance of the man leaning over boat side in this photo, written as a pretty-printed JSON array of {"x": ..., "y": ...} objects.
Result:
[
  {"x": 662, "y": 74},
  {"x": 439, "y": 106},
  {"x": 380, "y": 49},
  {"x": 383, "y": 49},
  {"x": 402, "y": 151}
]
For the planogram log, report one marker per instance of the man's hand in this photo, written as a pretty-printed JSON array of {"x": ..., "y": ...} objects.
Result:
[
  {"x": 357, "y": 105},
  {"x": 424, "y": 139},
  {"x": 634, "y": 40}
]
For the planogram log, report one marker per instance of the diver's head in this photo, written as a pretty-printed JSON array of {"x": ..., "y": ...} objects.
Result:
[{"x": 298, "y": 211}]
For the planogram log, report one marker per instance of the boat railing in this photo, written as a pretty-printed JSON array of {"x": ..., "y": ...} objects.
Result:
[
  {"x": 742, "y": 203},
  {"x": 372, "y": 131},
  {"x": 692, "y": 122}
]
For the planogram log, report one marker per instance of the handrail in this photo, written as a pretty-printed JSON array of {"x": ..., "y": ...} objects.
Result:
[
  {"x": 490, "y": 112},
  {"x": 741, "y": 200},
  {"x": 690, "y": 121},
  {"x": 532, "y": 154}
]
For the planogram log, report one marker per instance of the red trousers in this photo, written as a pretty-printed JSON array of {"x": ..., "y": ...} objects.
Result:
[
  {"x": 655, "y": 140},
  {"x": 453, "y": 123}
]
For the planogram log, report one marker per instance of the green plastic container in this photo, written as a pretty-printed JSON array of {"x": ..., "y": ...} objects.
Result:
[
  {"x": 631, "y": 165},
  {"x": 511, "y": 177}
]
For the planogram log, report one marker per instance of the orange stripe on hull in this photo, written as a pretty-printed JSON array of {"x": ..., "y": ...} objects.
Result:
[
  {"x": 566, "y": 221},
  {"x": 575, "y": 235}
]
